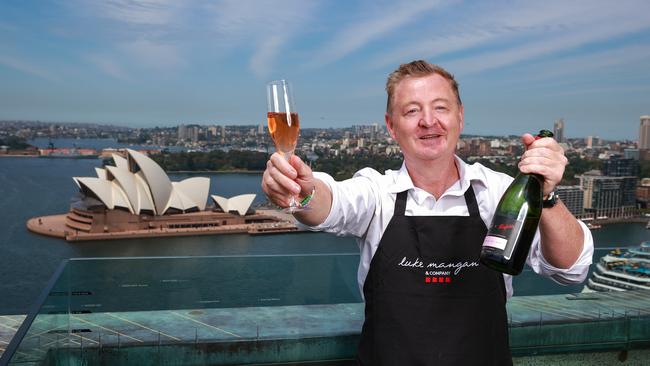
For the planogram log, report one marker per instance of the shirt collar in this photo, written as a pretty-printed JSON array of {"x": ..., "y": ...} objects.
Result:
[{"x": 467, "y": 173}]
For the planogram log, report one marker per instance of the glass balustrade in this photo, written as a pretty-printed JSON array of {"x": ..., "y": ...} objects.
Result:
[{"x": 268, "y": 309}]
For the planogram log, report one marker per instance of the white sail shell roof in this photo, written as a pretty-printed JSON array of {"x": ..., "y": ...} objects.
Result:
[
  {"x": 138, "y": 184},
  {"x": 196, "y": 189},
  {"x": 240, "y": 203},
  {"x": 158, "y": 182},
  {"x": 108, "y": 192},
  {"x": 126, "y": 180},
  {"x": 145, "y": 201},
  {"x": 120, "y": 162},
  {"x": 101, "y": 173}
]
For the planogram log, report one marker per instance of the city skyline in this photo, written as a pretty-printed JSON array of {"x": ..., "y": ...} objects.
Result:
[{"x": 521, "y": 65}]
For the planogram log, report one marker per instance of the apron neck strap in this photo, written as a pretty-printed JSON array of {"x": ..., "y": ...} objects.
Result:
[
  {"x": 470, "y": 201},
  {"x": 400, "y": 203}
]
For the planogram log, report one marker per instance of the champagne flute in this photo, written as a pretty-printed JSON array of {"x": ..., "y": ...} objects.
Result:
[{"x": 284, "y": 124}]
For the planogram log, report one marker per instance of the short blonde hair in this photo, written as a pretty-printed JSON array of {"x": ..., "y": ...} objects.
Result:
[{"x": 417, "y": 68}]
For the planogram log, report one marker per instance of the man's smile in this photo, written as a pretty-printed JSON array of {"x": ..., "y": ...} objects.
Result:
[{"x": 430, "y": 136}]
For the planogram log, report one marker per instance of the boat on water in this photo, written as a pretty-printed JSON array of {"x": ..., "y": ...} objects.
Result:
[
  {"x": 69, "y": 153},
  {"x": 593, "y": 226},
  {"x": 622, "y": 269}
]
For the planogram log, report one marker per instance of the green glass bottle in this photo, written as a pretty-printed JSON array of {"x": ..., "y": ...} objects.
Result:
[{"x": 515, "y": 222}]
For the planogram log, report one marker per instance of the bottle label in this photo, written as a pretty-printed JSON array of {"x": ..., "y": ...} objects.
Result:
[
  {"x": 505, "y": 231},
  {"x": 495, "y": 242}
]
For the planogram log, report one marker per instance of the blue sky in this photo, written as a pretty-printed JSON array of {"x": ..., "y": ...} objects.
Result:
[{"x": 520, "y": 64}]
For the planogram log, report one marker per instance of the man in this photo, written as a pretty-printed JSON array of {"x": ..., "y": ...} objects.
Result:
[{"x": 420, "y": 230}]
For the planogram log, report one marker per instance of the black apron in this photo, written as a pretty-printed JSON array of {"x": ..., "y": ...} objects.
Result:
[{"x": 428, "y": 301}]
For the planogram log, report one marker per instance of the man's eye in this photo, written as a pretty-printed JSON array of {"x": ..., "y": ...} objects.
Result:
[
  {"x": 412, "y": 111},
  {"x": 441, "y": 108}
]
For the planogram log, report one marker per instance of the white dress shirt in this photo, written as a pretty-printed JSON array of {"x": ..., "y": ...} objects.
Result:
[{"x": 363, "y": 205}]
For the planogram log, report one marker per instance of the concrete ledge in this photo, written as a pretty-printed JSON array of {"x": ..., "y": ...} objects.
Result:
[{"x": 221, "y": 353}]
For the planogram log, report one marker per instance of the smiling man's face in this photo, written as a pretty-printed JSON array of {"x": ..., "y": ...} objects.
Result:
[{"x": 425, "y": 119}]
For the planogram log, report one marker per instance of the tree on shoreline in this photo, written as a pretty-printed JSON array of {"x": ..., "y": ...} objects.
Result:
[{"x": 343, "y": 166}]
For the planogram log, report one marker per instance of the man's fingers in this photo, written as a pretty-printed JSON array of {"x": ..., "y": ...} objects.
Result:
[
  {"x": 279, "y": 181},
  {"x": 283, "y": 179},
  {"x": 275, "y": 192},
  {"x": 527, "y": 139},
  {"x": 281, "y": 164},
  {"x": 532, "y": 142},
  {"x": 302, "y": 169},
  {"x": 545, "y": 157}
]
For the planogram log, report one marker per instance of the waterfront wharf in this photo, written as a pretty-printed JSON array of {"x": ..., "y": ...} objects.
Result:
[
  {"x": 606, "y": 324},
  {"x": 58, "y": 226}
]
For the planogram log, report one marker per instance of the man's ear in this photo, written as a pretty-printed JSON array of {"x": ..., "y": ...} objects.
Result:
[
  {"x": 389, "y": 125},
  {"x": 461, "y": 116}
]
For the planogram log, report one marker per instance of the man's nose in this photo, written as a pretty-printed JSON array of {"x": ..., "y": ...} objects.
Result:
[{"x": 428, "y": 118}]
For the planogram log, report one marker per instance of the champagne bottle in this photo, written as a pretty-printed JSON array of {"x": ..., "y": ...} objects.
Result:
[{"x": 514, "y": 223}]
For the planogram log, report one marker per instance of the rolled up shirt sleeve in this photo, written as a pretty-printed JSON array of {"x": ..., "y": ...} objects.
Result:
[
  {"x": 575, "y": 274},
  {"x": 353, "y": 204}
]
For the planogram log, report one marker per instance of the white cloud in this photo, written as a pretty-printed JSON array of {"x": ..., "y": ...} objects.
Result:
[
  {"x": 622, "y": 58},
  {"x": 371, "y": 27},
  {"x": 608, "y": 90},
  {"x": 262, "y": 60},
  {"x": 143, "y": 12},
  {"x": 145, "y": 33},
  {"x": 269, "y": 27},
  {"x": 27, "y": 68},
  {"x": 518, "y": 31},
  {"x": 151, "y": 54},
  {"x": 559, "y": 41},
  {"x": 108, "y": 65}
]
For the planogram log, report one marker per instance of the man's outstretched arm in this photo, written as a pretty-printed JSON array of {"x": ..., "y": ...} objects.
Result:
[{"x": 283, "y": 179}]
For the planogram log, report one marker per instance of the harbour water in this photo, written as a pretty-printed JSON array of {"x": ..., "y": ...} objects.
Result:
[{"x": 33, "y": 187}]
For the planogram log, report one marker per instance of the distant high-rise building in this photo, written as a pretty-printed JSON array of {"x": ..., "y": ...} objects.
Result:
[
  {"x": 191, "y": 133},
  {"x": 345, "y": 143},
  {"x": 212, "y": 132},
  {"x": 609, "y": 196},
  {"x": 617, "y": 166},
  {"x": 558, "y": 130},
  {"x": 572, "y": 197},
  {"x": 484, "y": 148},
  {"x": 589, "y": 141},
  {"x": 644, "y": 133},
  {"x": 643, "y": 193},
  {"x": 260, "y": 129},
  {"x": 182, "y": 132},
  {"x": 631, "y": 154}
]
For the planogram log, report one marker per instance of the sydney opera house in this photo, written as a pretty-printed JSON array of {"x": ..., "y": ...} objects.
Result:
[{"x": 136, "y": 198}]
